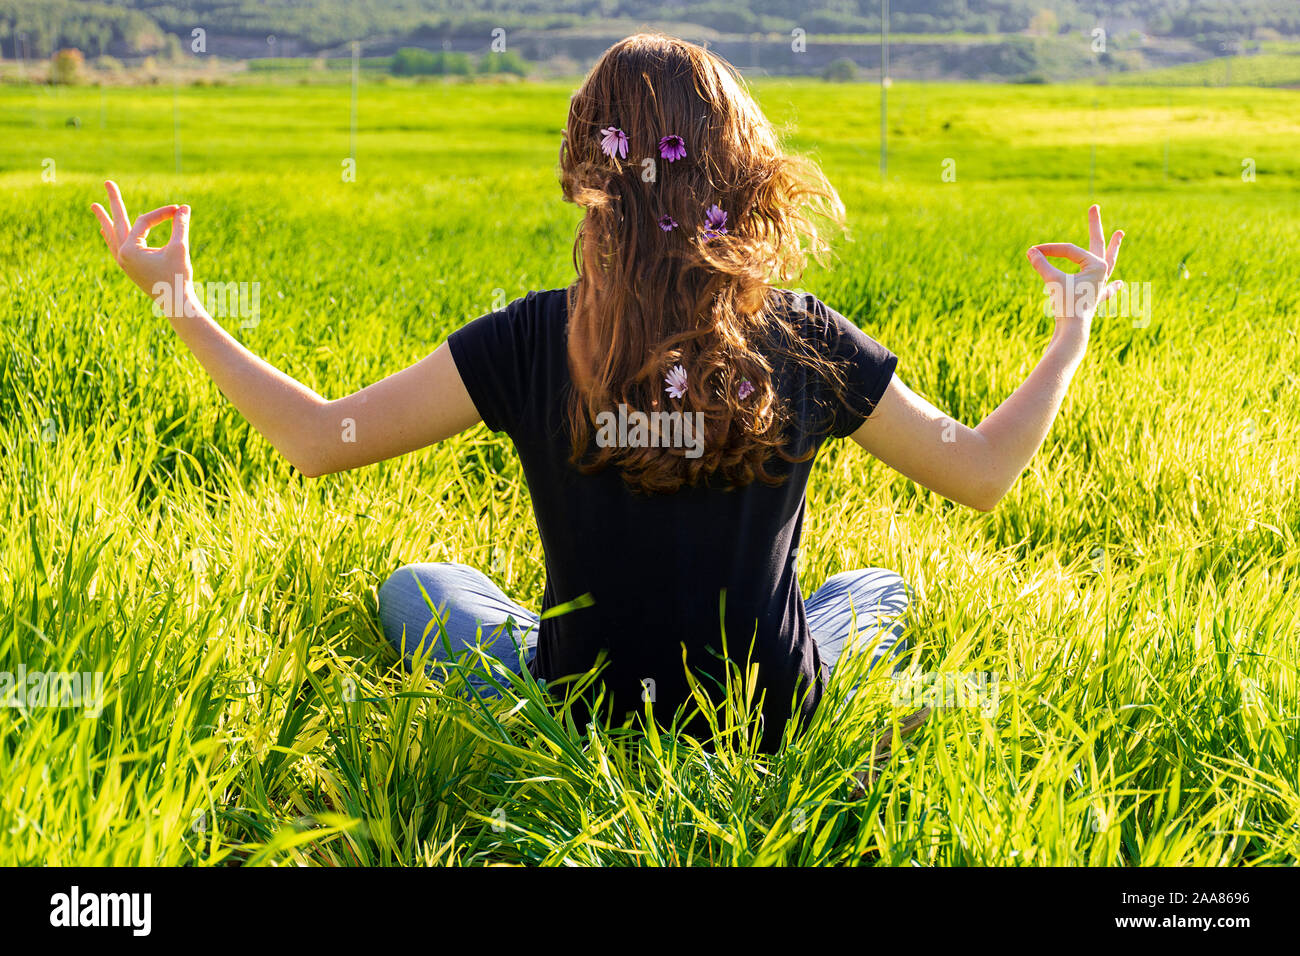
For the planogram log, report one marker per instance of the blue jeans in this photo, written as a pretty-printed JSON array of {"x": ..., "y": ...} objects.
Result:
[{"x": 472, "y": 611}]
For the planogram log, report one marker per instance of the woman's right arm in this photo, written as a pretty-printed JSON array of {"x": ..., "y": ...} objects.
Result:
[{"x": 977, "y": 466}]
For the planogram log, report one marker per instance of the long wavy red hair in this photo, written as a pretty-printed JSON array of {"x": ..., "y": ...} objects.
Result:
[{"x": 648, "y": 299}]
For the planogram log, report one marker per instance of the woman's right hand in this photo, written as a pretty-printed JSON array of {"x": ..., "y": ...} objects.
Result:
[
  {"x": 1076, "y": 296},
  {"x": 163, "y": 273},
  {"x": 976, "y": 466}
]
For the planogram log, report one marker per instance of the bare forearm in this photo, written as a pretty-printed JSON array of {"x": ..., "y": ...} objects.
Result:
[
  {"x": 286, "y": 412},
  {"x": 1015, "y": 430},
  {"x": 421, "y": 404},
  {"x": 972, "y": 466},
  {"x": 977, "y": 466}
]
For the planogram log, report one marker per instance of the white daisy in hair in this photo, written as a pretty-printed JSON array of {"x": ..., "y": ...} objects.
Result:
[{"x": 676, "y": 380}]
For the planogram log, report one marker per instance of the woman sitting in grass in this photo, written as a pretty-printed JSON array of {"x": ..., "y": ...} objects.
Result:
[{"x": 666, "y": 408}]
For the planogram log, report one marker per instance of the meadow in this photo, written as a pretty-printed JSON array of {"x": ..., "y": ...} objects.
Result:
[
  {"x": 1133, "y": 599},
  {"x": 1272, "y": 68}
]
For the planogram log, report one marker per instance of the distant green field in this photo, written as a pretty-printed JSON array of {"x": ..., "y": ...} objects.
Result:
[
  {"x": 1263, "y": 69},
  {"x": 1134, "y": 596}
]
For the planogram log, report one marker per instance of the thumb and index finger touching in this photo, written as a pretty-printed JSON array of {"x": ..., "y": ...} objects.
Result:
[
  {"x": 118, "y": 229},
  {"x": 1099, "y": 252}
]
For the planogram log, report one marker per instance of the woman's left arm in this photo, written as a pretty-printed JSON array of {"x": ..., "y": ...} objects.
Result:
[{"x": 417, "y": 406}]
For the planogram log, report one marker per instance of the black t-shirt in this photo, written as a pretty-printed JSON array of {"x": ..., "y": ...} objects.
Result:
[{"x": 661, "y": 569}]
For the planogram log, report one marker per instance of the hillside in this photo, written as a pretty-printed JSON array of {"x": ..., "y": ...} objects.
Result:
[{"x": 1044, "y": 39}]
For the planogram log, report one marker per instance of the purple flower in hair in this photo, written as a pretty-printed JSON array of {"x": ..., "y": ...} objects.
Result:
[
  {"x": 672, "y": 148},
  {"x": 614, "y": 141},
  {"x": 667, "y": 223},
  {"x": 676, "y": 380},
  {"x": 745, "y": 389},
  {"x": 715, "y": 221}
]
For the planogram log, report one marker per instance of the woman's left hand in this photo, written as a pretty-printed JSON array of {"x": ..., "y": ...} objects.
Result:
[{"x": 164, "y": 271}]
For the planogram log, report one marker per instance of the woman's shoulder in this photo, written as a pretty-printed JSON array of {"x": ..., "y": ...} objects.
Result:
[
  {"x": 541, "y": 303},
  {"x": 825, "y": 331},
  {"x": 537, "y": 314},
  {"x": 808, "y": 316}
]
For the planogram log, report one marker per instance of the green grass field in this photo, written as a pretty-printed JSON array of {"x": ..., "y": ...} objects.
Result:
[
  {"x": 1134, "y": 597},
  {"x": 1280, "y": 68}
]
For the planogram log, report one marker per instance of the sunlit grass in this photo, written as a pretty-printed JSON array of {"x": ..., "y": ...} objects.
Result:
[
  {"x": 1273, "y": 68},
  {"x": 1134, "y": 596}
]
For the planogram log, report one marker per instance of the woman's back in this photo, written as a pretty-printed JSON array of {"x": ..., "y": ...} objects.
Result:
[
  {"x": 670, "y": 328},
  {"x": 655, "y": 577}
]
